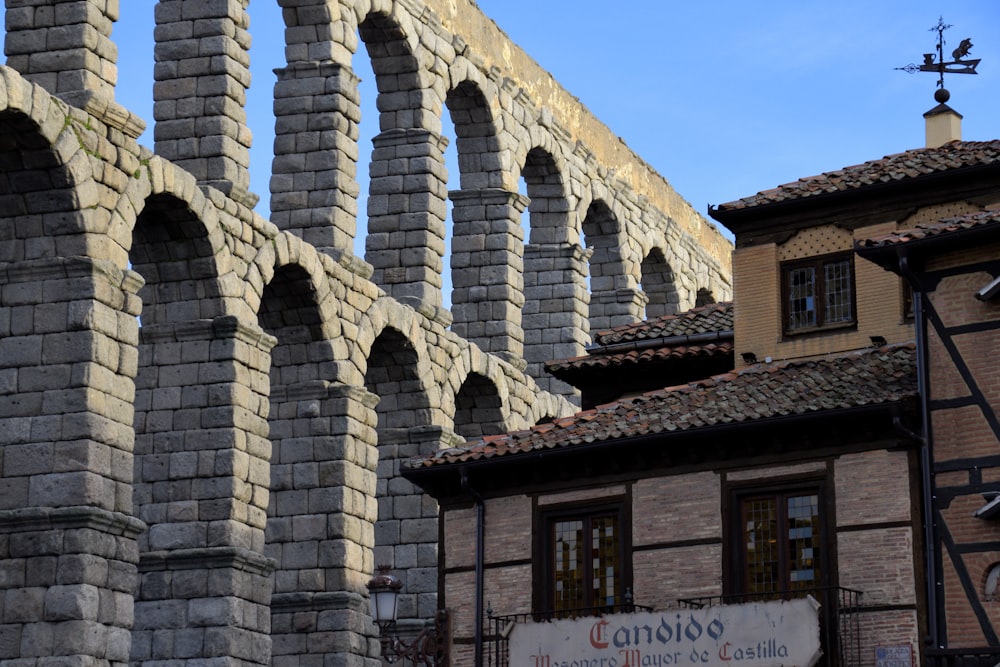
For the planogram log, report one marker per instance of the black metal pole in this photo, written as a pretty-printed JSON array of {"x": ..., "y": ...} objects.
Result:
[
  {"x": 926, "y": 459},
  {"x": 480, "y": 547}
]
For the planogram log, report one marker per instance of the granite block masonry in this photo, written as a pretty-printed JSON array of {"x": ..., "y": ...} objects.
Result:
[{"x": 203, "y": 411}]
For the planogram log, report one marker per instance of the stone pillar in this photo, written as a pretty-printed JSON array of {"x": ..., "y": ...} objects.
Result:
[
  {"x": 202, "y": 463},
  {"x": 406, "y": 535},
  {"x": 65, "y": 46},
  {"x": 556, "y": 323},
  {"x": 610, "y": 308},
  {"x": 202, "y": 75},
  {"x": 68, "y": 550},
  {"x": 314, "y": 188},
  {"x": 406, "y": 214},
  {"x": 320, "y": 528},
  {"x": 487, "y": 270}
]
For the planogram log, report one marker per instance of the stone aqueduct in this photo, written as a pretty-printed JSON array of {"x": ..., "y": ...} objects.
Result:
[{"x": 201, "y": 410}]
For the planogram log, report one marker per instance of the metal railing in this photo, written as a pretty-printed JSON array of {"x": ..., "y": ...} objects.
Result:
[
  {"x": 499, "y": 626},
  {"x": 839, "y": 619}
]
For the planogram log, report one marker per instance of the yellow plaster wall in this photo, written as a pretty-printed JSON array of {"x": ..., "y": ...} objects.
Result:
[{"x": 757, "y": 295}]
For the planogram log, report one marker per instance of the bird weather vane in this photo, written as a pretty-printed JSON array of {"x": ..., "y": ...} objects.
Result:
[{"x": 938, "y": 64}]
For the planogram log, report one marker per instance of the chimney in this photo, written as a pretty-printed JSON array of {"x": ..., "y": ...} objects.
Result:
[{"x": 942, "y": 123}]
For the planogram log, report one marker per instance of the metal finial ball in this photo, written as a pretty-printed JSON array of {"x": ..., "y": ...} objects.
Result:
[{"x": 941, "y": 95}]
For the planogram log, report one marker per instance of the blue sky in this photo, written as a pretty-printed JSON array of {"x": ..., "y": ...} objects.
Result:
[{"x": 724, "y": 98}]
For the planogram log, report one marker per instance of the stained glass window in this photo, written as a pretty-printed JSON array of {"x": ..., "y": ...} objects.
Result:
[
  {"x": 586, "y": 561},
  {"x": 781, "y": 543}
]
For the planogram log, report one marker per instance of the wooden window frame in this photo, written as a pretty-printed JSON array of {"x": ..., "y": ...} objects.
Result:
[
  {"x": 818, "y": 264},
  {"x": 734, "y": 544},
  {"x": 544, "y": 577}
]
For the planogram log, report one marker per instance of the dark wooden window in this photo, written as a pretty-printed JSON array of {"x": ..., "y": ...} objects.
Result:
[
  {"x": 586, "y": 559},
  {"x": 780, "y": 542},
  {"x": 818, "y": 293}
]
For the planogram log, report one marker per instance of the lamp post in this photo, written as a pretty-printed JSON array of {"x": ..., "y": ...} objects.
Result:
[{"x": 429, "y": 647}]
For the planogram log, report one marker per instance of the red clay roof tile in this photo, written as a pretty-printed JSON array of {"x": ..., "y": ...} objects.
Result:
[
  {"x": 611, "y": 346},
  {"x": 941, "y": 228},
  {"x": 901, "y": 166},
  {"x": 762, "y": 391}
]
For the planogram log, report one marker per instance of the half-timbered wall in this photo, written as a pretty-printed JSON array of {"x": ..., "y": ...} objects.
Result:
[{"x": 963, "y": 334}]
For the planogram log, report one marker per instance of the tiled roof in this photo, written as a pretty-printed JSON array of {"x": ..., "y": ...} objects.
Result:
[
  {"x": 865, "y": 378},
  {"x": 703, "y": 319},
  {"x": 940, "y": 229},
  {"x": 722, "y": 348},
  {"x": 701, "y": 322},
  {"x": 899, "y": 167}
]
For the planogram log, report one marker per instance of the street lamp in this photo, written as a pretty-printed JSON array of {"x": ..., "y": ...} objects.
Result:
[{"x": 429, "y": 647}]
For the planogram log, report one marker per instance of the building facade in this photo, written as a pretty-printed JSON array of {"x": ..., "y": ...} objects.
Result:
[
  {"x": 952, "y": 267},
  {"x": 847, "y": 456}
]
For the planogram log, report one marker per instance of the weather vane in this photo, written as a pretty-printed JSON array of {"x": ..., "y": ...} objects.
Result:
[{"x": 936, "y": 62}]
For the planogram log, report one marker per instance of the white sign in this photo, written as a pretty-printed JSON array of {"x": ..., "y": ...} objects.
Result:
[
  {"x": 761, "y": 634},
  {"x": 893, "y": 656}
]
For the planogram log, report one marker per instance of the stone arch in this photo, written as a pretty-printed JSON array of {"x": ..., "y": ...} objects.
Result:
[
  {"x": 475, "y": 136},
  {"x": 45, "y": 183},
  {"x": 486, "y": 368},
  {"x": 406, "y": 530},
  {"x": 478, "y": 408},
  {"x": 546, "y": 188},
  {"x": 609, "y": 283},
  {"x": 487, "y": 243},
  {"x": 316, "y": 509},
  {"x": 555, "y": 287},
  {"x": 408, "y": 186},
  {"x": 179, "y": 259},
  {"x": 658, "y": 285},
  {"x": 201, "y": 445},
  {"x": 403, "y": 84},
  {"x": 67, "y": 342}
]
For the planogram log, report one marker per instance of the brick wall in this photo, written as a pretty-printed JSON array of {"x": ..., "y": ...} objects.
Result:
[
  {"x": 964, "y": 443},
  {"x": 678, "y": 541}
]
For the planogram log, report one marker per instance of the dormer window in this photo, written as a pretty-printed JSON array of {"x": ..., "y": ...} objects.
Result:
[{"x": 818, "y": 293}]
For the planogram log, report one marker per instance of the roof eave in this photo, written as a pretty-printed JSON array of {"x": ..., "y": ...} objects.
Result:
[
  {"x": 444, "y": 479},
  {"x": 888, "y": 255},
  {"x": 904, "y": 194}
]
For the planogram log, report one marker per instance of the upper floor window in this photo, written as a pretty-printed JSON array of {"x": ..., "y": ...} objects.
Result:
[
  {"x": 818, "y": 293},
  {"x": 585, "y": 556}
]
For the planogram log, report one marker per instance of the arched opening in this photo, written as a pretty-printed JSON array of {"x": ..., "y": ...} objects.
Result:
[
  {"x": 555, "y": 316},
  {"x": 194, "y": 427},
  {"x": 406, "y": 530},
  {"x": 34, "y": 184},
  {"x": 606, "y": 274},
  {"x": 309, "y": 502},
  {"x": 478, "y": 408},
  {"x": 266, "y": 46},
  {"x": 407, "y": 186},
  {"x": 486, "y": 235},
  {"x": 658, "y": 285},
  {"x": 171, "y": 251}
]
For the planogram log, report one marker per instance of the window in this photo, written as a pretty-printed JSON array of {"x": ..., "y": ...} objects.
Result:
[
  {"x": 585, "y": 559},
  {"x": 818, "y": 293},
  {"x": 780, "y": 542}
]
